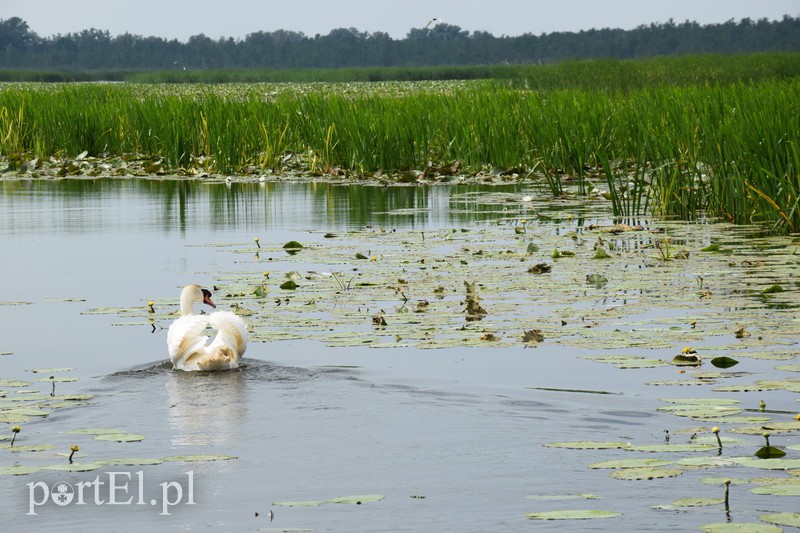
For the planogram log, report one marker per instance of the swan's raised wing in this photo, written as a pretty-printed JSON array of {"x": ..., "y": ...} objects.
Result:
[
  {"x": 232, "y": 330},
  {"x": 186, "y": 336}
]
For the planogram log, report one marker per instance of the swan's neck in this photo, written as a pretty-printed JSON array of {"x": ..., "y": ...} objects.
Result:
[{"x": 187, "y": 305}]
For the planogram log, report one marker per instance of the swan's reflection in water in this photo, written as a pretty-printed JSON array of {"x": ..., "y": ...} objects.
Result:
[
  {"x": 215, "y": 409},
  {"x": 206, "y": 408}
]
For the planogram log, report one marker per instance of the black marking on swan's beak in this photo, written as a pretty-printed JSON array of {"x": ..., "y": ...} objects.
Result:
[{"x": 207, "y": 298}]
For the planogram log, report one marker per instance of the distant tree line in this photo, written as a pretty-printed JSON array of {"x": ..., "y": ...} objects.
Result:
[{"x": 443, "y": 44}]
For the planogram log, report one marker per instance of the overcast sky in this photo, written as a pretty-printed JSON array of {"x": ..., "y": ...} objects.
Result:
[{"x": 237, "y": 18}]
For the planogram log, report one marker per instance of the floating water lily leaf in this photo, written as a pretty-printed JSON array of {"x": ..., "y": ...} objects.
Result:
[
  {"x": 51, "y": 370},
  {"x": 778, "y": 490},
  {"x": 292, "y": 247},
  {"x": 74, "y": 467},
  {"x": 697, "y": 502},
  {"x": 284, "y": 529},
  {"x": 119, "y": 437},
  {"x": 558, "y": 497},
  {"x": 13, "y": 418},
  {"x": 706, "y": 462},
  {"x": 724, "y": 362},
  {"x": 130, "y": 461},
  {"x": 676, "y": 383},
  {"x": 197, "y": 458},
  {"x": 769, "y": 452},
  {"x": 631, "y": 474},
  {"x": 677, "y": 448},
  {"x": 22, "y": 447},
  {"x": 596, "y": 280},
  {"x": 631, "y": 463},
  {"x": 59, "y": 379},
  {"x": 27, "y": 411},
  {"x": 773, "y": 427},
  {"x": 701, "y": 401},
  {"x": 18, "y": 470},
  {"x": 788, "y": 368},
  {"x": 739, "y": 527},
  {"x": 289, "y": 285},
  {"x": 310, "y": 503},
  {"x": 74, "y": 397},
  {"x": 721, "y": 480},
  {"x": 94, "y": 431},
  {"x": 640, "y": 363},
  {"x": 768, "y": 464},
  {"x": 589, "y": 445},
  {"x": 580, "y": 514},
  {"x": 357, "y": 499},
  {"x": 782, "y": 519},
  {"x": 14, "y": 383}
]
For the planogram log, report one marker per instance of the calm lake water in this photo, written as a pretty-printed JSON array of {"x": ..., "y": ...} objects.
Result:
[{"x": 452, "y": 438}]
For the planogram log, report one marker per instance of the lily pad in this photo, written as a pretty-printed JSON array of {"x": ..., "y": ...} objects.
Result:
[
  {"x": 580, "y": 514},
  {"x": 631, "y": 463},
  {"x": 558, "y": 497},
  {"x": 589, "y": 445},
  {"x": 22, "y": 447},
  {"x": 74, "y": 467},
  {"x": 706, "y": 462},
  {"x": 782, "y": 519},
  {"x": 768, "y": 464},
  {"x": 724, "y": 362},
  {"x": 697, "y": 502},
  {"x": 18, "y": 470},
  {"x": 94, "y": 431},
  {"x": 197, "y": 458},
  {"x": 14, "y": 383},
  {"x": 721, "y": 480},
  {"x": 631, "y": 474},
  {"x": 778, "y": 490},
  {"x": 309, "y": 503},
  {"x": 676, "y": 448},
  {"x": 120, "y": 437},
  {"x": 130, "y": 461},
  {"x": 357, "y": 499},
  {"x": 739, "y": 527}
]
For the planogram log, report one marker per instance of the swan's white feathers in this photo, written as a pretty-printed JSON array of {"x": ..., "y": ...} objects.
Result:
[
  {"x": 185, "y": 336},
  {"x": 232, "y": 330},
  {"x": 187, "y": 340}
]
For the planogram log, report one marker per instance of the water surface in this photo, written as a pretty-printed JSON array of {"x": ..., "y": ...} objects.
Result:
[{"x": 452, "y": 438}]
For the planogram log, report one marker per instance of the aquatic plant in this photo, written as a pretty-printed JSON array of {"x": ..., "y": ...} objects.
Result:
[{"x": 726, "y": 150}]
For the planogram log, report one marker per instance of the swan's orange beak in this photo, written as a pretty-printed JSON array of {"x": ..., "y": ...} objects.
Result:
[{"x": 207, "y": 298}]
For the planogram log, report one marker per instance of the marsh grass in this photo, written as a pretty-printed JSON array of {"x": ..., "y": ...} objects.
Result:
[{"x": 726, "y": 150}]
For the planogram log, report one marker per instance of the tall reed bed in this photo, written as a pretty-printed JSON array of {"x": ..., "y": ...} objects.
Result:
[{"x": 731, "y": 151}]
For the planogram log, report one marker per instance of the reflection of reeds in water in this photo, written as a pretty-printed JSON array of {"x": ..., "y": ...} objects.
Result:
[
  {"x": 730, "y": 149},
  {"x": 206, "y": 408}
]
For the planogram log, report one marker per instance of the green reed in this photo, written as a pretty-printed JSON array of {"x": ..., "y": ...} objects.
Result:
[{"x": 728, "y": 150}]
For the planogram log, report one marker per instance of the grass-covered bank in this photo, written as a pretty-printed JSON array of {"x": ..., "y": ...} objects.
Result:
[
  {"x": 605, "y": 74},
  {"x": 728, "y": 149}
]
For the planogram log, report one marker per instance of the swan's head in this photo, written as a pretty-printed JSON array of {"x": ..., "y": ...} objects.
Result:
[
  {"x": 206, "y": 298},
  {"x": 194, "y": 294}
]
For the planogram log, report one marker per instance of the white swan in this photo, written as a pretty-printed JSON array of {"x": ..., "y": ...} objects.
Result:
[{"x": 188, "y": 344}]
